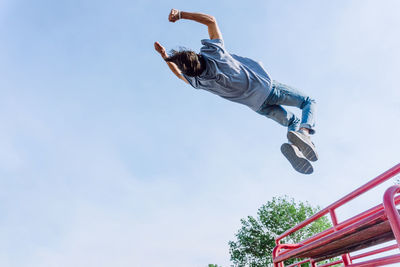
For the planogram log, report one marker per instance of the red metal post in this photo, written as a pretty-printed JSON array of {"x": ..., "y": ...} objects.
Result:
[
  {"x": 345, "y": 257},
  {"x": 333, "y": 218},
  {"x": 391, "y": 210}
]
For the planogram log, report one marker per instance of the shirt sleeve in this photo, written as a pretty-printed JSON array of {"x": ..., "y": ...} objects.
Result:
[
  {"x": 193, "y": 81},
  {"x": 212, "y": 48}
]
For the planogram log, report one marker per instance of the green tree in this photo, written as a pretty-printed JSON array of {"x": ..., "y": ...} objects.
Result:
[{"x": 255, "y": 240}]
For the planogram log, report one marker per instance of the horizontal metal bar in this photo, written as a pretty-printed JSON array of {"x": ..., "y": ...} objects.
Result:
[
  {"x": 331, "y": 263},
  {"x": 379, "y": 261},
  {"x": 374, "y": 252},
  {"x": 300, "y": 262}
]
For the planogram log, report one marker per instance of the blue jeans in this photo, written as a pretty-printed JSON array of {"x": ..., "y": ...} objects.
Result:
[{"x": 282, "y": 94}]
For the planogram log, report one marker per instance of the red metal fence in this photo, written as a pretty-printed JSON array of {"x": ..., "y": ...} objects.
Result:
[{"x": 388, "y": 208}]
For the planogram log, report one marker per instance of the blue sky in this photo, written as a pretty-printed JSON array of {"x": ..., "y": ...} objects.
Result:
[{"x": 106, "y": 159}]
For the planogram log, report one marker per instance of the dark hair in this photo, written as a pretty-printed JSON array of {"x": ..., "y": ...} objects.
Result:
[{"x": 188, "y": 62}]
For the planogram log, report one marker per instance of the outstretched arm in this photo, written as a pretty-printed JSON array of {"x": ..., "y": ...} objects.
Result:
[
  {"x": 161, "y": 50},
  {"x": 209, "y": 21}
]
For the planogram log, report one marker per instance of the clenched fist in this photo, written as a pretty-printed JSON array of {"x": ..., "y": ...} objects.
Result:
[
  {"x": 174, "y": 15},
  {"x": 160, "y": 49}
]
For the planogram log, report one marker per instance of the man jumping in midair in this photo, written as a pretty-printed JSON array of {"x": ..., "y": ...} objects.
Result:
[{"x": 245, "y": 81}]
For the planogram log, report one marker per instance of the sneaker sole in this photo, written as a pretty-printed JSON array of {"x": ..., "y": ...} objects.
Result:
[
  {"x": 307, "y": 150},
  {"x": 298, "y": 162}
]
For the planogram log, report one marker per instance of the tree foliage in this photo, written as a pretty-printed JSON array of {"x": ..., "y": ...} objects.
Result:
[{"x": 255, "y": 240}]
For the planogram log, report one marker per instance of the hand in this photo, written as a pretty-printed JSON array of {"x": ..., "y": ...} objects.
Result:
[
  {"x": 173, "y": 15},
  {"x": 160, "y": 49}
]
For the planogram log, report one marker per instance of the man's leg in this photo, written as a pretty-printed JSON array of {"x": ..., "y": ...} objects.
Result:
[
  {"x": 291, "y": 152},
  {"x": 285, "y": 95},
  {"x": 280, "y": 115},
  {"x": 288, "y": 96}
]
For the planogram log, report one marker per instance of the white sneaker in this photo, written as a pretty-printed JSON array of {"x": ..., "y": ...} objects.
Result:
[
  {"x": 303, "y": 142},
  {"x": 296, "y": 158}
]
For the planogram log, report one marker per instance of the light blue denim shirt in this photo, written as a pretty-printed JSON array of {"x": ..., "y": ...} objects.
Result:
[{"x": 235, "y": 78}]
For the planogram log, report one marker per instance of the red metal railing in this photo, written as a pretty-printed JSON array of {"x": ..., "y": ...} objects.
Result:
[
  {"x": 390, "y": 202},
  {"x": 356, "y": 257}
]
